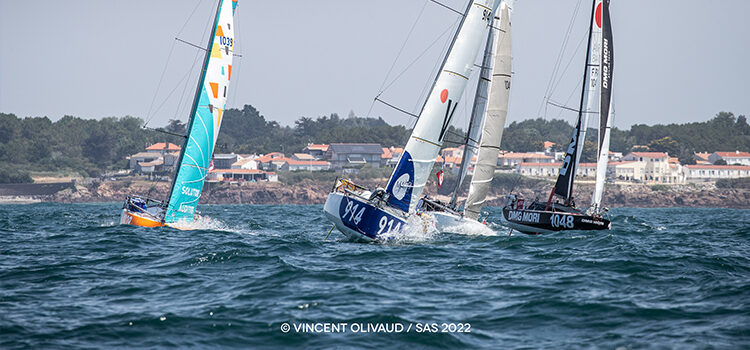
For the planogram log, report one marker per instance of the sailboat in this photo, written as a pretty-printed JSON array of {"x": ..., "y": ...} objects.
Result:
[
  {"x": 596, "y": 95},
  {"x": 485, "y": 131},
  {"x": 368, "y": 215},
  {"x": 203, "y": 128}
]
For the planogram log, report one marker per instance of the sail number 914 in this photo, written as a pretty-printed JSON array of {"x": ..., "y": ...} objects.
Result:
[
  {"x": 354, "y": 213},
  {"x": 562, "y": 221}
]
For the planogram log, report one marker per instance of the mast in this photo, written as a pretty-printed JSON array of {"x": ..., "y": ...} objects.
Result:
[
  {"x": 410, "y": 175},
  {"x": 477, "y": 115},
  {"x": 198, "y": 88},
  {"x": 564, "y": 185},
  {"x": 494, "y": 120}
]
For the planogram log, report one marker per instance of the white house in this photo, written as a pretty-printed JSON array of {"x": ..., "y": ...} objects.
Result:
[
  {"x": 736, "y": 157},
  {"x": 700, "y": 172},
  {"x": 512, "y": 158},
  {"x": 308, "y": 165}
]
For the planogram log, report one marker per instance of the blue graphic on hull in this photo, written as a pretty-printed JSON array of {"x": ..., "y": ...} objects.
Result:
[
  {"x": 401, "y": 183},
  {"x": 367, "y": 219}
]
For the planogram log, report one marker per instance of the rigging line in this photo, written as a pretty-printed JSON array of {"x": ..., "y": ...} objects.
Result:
[
  {"x": 560, "y": 54},
  {"x": 191, "y": 44},
  {"x": 239, "y": 63},
  {"x": 448, "y": 7},
  {"x": 185, "y": 88},
  {"x": 572, "y": 58},
  {"x": 568, "y": 108},
  {"x": 403, "y": 46},
  {"x": 396, "y": 108},
  {"x": 149, "y": 116},
  {"x": 164, "y": 131},
  {"x": 171, "y": 92},
  {"x": 416, "y": 59},
  {"x": 567, "y": 101},
  {"x": 562, "y": 50},
  {"x": 189, "y": 17},
  {"x": 438, "y": 61}
]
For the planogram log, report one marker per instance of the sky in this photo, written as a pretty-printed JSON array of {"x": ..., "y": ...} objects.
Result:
[{"x": 675, "y": 60}]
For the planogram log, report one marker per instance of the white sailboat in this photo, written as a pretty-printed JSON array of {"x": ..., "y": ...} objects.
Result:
[
  {"x": 596, "y": 96},
  {"x": 203, "y": 130},
  {"x": 367, "y": 215},
  {"x": 488, "y": 118}
]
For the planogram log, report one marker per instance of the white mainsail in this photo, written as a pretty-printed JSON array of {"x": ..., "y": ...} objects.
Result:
[
  {"x": 471, "y": 145},
  {"x": 589, "y": 105},
  {"x": 605, "y": 110},
  {"x": 494, "y": 121},
  {"x": 410, "y": 176}
]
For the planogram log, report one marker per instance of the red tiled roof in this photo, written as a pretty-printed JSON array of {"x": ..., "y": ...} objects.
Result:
[
  {"x": 718, "y": 167},
  {"x": 306, "y": 162},
  {"x": 303, "y": 156},
  {"x": 702, "y": 155},
  {"x": 161, "y": 146},
  {"x": 587, "y": 165},
  {"x": 524, "y": 155},
  {"x": 319, "y": 147},
  {"x": 386, "y": 154},
  {"x": 237, "y": 171},
  {"x": 243, "y": 161},
  {"x": 549, "y": 165},
  {"x": 736, "y": 154},
  {"x": 650, "y": 154},
  {"x": 548, "y": 144},
  {"x": 621, "y": 163}
]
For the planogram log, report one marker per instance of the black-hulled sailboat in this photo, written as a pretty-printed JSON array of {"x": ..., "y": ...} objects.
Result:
[{"x": 543, "y": 217}]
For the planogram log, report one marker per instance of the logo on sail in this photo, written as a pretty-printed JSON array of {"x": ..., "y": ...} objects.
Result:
[
  {"x": 448, "y": 113},
  {"x": 401, "y": 185},
  {"x": 571, "y": 152}
]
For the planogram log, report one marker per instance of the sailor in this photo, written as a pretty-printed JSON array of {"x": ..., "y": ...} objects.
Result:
[{"x": 378, "y": 193}]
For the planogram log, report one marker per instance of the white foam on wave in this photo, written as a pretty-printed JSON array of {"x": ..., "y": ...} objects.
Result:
[
  {"x": 470, "y": 228},
  {"x": 203, "y": 222},
  {"x": 417, "y": 229}
]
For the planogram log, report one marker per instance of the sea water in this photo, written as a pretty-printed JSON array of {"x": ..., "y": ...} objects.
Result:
[{"x": 264, "y": 277}]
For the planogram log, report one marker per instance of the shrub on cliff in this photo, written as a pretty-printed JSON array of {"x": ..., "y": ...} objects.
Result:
[
  {"x": 14, "y": 176},
  {"x": 743, "y": 182}
]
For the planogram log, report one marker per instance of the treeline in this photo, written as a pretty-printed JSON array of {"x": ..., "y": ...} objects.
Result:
[
  {"x": 84, "y": 146},
  {"x": 247, "y": 131},
  {"x": 91, "y": 147},
  {"x": 724, "y": 132}
]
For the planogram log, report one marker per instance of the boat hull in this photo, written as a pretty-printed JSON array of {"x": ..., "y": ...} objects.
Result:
[
  {"x": 359, "y": 219},
  {"x": 138, "y": 219},
  {"x": 539, "y": 221}
]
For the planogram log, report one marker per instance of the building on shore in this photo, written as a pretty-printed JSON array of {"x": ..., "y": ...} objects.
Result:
[
  {"x": 241, "y": 175},
  {"x": 158, "y": 158},
  {"x": 731, "y": 158},
  {"x": 350, "y": 157},
  {"x": 706, "y": 173}
]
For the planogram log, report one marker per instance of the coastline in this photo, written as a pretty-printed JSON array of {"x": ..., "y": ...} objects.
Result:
[{"x": 315, "y": 192}]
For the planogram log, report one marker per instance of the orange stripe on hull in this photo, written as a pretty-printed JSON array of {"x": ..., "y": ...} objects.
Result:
[{"x": 130, "y": 218}]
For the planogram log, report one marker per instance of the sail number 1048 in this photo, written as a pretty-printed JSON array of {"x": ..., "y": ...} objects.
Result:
[{"x": 562, "y": 221}]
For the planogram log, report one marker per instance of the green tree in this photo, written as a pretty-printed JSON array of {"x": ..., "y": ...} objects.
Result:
[{"x": 665, "y": 144}]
